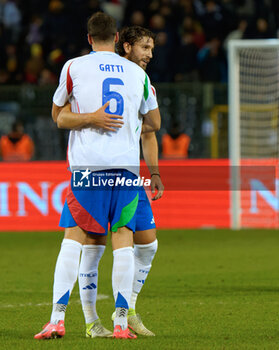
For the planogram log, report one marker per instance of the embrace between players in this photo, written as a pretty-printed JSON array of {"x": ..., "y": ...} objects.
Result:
[{"x": 105, "y": 143}]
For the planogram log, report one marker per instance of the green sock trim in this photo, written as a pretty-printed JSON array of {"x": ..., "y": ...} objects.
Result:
[{"x": 127, "y": 214}]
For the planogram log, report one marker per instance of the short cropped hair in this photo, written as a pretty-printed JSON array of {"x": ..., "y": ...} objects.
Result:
[
  {"x": 131, "y": 35},
  {"x": 101, "y": 27}
]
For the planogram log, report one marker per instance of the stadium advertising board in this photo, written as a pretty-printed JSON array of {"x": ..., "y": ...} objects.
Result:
[{"x": 196, "y": 195}]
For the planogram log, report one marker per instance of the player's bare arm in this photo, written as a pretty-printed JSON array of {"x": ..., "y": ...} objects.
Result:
[
  {"x": 152, "y": 121},
  {"x": 150, "y": 154},
  {"x": 66, "y": 119},
  {"x": 55, "y": 111},
  {"x": 99, "y": 119},
  {"x": 147, "y": 125}
]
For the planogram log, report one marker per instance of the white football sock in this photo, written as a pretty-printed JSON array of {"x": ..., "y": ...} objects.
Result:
[
  {"x": 122, "y": 282},
  {"x": 88, "y": 280},
  {"x": 144, "y": 254},
  {"x": 65, "y": 276}
]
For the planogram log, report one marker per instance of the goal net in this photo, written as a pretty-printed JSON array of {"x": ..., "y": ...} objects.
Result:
[{"x": 253, "y": 132}]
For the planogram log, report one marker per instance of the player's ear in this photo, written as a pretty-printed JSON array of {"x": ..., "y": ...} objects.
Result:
[
  {"x": 116, "y": 38},
  {"x": 127, "y": 47},
  {"x": 89, "y": 38}
]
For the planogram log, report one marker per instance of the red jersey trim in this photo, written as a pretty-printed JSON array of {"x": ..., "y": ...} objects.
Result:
[
  {"x": 69, "y": 80},
  {"x": 78, "y": 107}
]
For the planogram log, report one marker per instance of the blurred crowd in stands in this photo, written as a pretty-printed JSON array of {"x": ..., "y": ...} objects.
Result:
[{"x": 37, "y": 37}]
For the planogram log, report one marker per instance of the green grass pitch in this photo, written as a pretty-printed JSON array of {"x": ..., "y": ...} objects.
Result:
[{"x": 208, "y": 290}]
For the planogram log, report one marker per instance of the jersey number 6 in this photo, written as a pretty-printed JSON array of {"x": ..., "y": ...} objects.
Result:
[{"x": 113, "y": 95}]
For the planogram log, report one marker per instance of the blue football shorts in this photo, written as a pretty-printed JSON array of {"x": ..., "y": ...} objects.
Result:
[
  {"x": 100, "y": 198},
  {"x": 144, "y": 215}
]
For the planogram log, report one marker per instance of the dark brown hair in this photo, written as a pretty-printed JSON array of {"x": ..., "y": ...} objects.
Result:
[
  {"x": 131, "y": 35},
  {"x": 101, "y": 27}
]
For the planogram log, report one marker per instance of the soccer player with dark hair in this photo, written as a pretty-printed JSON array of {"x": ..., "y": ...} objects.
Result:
[
  {"x": 92, "y": 82},
  {"x": 137, "y": 44}
]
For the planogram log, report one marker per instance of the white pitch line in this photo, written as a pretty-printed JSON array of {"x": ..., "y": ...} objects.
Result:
[{"x": 6, "y": 306}]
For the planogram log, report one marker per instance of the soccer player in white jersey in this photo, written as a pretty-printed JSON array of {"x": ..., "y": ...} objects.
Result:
[
  {"x": 89, "y": 82},
  {"x": 136, "y": 44}
]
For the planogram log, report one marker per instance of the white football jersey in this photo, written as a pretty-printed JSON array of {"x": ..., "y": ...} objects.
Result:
[{"x": 88, "y": 82}]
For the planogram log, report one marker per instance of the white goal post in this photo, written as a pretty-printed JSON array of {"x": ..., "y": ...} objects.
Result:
[{"x": 253, "y": 108}]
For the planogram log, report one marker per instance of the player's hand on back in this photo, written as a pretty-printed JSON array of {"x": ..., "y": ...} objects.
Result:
[
  {"x": 156, "y": 183},
  {"x": 106, "y": 121}
]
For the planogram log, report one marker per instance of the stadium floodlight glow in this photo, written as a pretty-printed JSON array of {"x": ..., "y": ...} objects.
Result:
[{"x": 253, "y": 109}]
